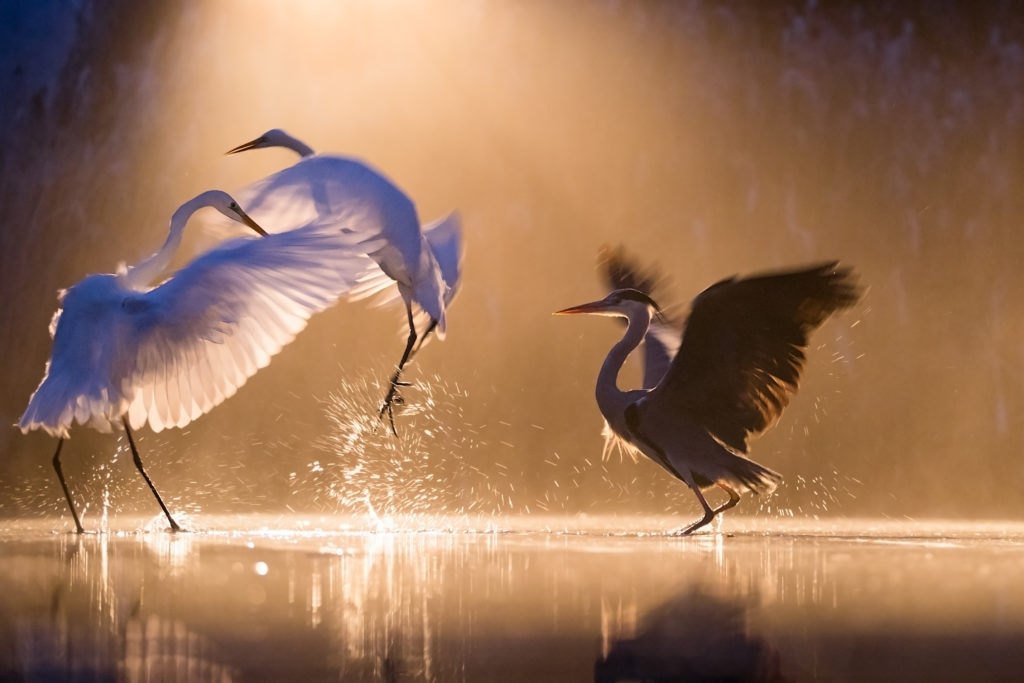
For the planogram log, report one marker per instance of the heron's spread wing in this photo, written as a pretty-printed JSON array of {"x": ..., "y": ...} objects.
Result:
[
  {"x": 661, "y": 343},
  {"x": 743, "y": 350},
  {"x": 198, "y": 337},
  {"x": 621, "y": 271}
]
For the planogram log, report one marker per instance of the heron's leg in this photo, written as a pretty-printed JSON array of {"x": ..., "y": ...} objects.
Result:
[
  {"x": 389, "y": 399},
  {"x": 138, "y": 465},
  {"x": 733, "y": 499},
  {"x": 64, "y": 485},
  {"x": 709, "y": 515}
]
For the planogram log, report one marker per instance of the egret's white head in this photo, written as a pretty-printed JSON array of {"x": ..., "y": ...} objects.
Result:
[
  {"x": 618, "y": 304},
  {"x": 227, "y": 205},
  {"x": 275, "y": 137}
]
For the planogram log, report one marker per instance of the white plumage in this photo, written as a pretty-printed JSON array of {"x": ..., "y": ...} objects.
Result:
[
  {"x": 126, "y": 351},
  {"x": 170, "y": 354},
  {"x": 424, "y": 262}
]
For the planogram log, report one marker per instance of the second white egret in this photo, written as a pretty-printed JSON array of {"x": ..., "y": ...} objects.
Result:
[{"x": 424, "y": 262}]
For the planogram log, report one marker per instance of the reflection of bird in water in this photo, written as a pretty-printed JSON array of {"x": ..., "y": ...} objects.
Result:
[
  {"x": 424, "y": 262},
  {"x": 693, "y": 637},
  {"x": 737, "y": 365},
  {"x": 127, "y": 353}
]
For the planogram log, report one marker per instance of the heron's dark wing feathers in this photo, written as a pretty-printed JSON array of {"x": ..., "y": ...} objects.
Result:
[
  {"x": 661, "y": 343},
  {"x": 620, "y": 271},
  {"x": 743, "y": 349}
]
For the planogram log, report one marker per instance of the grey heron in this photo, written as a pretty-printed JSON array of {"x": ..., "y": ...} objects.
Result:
[{"x": 738, "y": 362}]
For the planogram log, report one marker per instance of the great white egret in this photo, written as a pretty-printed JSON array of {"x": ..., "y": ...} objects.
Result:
[
  {"x": 127, "y": 353},
  {"x": 736, "y": 367},
  {"x": 424, "y": 262}
]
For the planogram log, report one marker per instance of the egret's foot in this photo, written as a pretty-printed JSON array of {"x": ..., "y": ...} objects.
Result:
[{"x": 390, "y": 401}]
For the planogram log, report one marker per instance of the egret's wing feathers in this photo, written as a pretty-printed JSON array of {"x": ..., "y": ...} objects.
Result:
[
  {"x": 346, "y": 191},
  {"x": 198, "y": 337},
  {"x": 743, "y": 350},
  {"x": 76, "y": 385},
  {"x": 661, "y": 343},
  {"x": 445, "y": 239}
]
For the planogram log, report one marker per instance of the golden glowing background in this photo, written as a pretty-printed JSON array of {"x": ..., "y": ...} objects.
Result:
[{"x": 709, "y": 139}]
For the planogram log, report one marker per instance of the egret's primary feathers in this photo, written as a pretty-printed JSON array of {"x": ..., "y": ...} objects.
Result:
[
  {"x": 424, "y": 262},
  {"x": 738, "y": 363},
  {"x": 128, "y": 352}
]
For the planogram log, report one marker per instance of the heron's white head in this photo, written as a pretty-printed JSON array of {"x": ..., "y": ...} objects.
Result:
[
  {"x": 275, "y": 137},
  {"x": 226, "y": 204},
  {"x": 619, "y": 304}
]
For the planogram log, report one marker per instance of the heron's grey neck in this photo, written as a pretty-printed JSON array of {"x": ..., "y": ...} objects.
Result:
[
  {"x": 142, "y": 274},
  {"x": 608, "y": 393}
]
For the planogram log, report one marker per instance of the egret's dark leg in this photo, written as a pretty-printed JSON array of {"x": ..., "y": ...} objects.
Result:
[
  {"x": 138, "y": 465},
  {"x": 709, "y": 514},
  {"x": 423, "y": 337},
  {"x": 64, "y": 485},
  {"x": 398, "y": 373},
  {"x": 731, "y": 503}
]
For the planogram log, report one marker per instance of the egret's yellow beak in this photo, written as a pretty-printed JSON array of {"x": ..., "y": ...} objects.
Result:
[
  {"x": 252, "y": 144},
  {"x": 251, "y": 223}
]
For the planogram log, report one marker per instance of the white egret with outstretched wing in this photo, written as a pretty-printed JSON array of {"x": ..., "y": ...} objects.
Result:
[{"x": 128, "y": 353}]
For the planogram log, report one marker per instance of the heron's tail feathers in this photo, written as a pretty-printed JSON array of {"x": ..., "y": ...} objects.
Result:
[{"x": 744, "y": 474}]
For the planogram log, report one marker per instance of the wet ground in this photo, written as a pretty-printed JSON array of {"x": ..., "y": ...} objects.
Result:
[{"x": 529, "y": 599}]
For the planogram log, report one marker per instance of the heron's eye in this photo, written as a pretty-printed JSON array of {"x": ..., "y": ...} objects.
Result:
[{"x": 233, "y": 206}]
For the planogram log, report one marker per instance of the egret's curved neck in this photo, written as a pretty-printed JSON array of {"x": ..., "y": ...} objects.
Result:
[
  {"x": 142, "y": 274},
  {"x": 607, "y": 380},
  {"x": 296, "y": 145}
]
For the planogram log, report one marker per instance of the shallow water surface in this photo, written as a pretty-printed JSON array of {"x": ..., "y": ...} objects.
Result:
[{"x": 529, "y": 599}]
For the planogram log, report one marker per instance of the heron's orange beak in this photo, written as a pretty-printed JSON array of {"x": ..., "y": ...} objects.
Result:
[
  {"x": 252, "y": 144},
  {"x": 592, "y": 307}
]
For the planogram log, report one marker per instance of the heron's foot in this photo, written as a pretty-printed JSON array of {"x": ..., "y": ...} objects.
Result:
[{"x": 687, "y": 530}]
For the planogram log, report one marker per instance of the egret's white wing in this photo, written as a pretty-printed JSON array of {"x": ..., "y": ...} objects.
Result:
[
  {"x": 198, "y": 337},
  {"x": 77, "y": 386},
  {"x": 346, "y": 191},
  {"x": 445, "y": 239}
]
